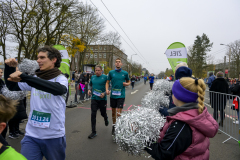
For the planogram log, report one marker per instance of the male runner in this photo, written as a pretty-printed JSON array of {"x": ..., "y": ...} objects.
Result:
[
  {"x": 99, "y": 98},
  {"x": 133, "y": 79},
  {"x": 45, "y": 130},
  {"x": 151, "y": 81},
  {"x": 119, "y": 79}
]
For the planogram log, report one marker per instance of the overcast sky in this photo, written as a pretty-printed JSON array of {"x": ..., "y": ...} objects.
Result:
[{"x": 153, "y": 25}]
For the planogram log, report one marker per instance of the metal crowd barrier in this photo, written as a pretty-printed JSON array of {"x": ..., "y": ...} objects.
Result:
[{"x": 224, "y": 113}]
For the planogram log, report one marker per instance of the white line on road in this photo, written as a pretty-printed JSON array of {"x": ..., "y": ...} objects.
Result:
[{"x": 134, "y": 92}]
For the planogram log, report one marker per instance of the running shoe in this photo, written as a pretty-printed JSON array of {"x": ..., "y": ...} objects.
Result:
[
  {"x": 19, "y": 133},
  {"x": 106, "y": 122},
  {"x": 113, "y": 130},
  {"x": 13, "y": 136},
  {"x": 92, "y": 135}
]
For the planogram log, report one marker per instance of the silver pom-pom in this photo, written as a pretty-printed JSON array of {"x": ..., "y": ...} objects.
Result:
[
  {"x": 137, "y": 129},
  {"x": 159, "y": 96},
  {"x": 14, "y": 95},
  {"x": 28, "y": 66}
]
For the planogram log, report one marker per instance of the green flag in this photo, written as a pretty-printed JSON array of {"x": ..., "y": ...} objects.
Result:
[
  {"x": 65, "y": 66},
  {"x": 176, "y": 53}
]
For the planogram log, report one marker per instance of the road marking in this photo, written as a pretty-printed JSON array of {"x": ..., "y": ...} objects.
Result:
[
  {"x": 129, "y": 107},
  {"x": 134, "y": 92}
]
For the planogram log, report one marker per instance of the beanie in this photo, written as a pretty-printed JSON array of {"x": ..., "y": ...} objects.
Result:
[
  {"x": 220, "y": 74},
  {"x": 183, "y": 72}
]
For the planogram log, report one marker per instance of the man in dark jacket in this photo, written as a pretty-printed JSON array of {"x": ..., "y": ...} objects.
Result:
[{"x": 218, "y": 101}]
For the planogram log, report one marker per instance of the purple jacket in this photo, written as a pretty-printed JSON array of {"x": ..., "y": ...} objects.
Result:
[{"x": 203, "y": 127}]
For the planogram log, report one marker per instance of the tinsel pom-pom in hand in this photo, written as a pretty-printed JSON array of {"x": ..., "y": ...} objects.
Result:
[
  {"x": 137, "y": 129},
  {"x": 14, "y": 95},
  {"x": 28, "y": 66}
]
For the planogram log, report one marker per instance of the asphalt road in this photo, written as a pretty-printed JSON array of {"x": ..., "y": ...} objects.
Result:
[{"x": 102, "y": 147}]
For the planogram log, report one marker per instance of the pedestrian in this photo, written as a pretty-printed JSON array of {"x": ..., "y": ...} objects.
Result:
[
  {"x": 7, "y": 111},
  {"x": 236, "y": 91},
  {"x": 13, "y": 123},
  {"x": 151, "y": 81},
  {"x": 145, "y": 79},
  {"x": 73, "y": 75},
  {"x": 133, "y": 79},
  {"x": 82, "y": 85},
  {"x": 210, "y": 79},
  {"x": 218, "y": 101},
  {"x": 99, "y": 99},
  {"x": 76, "y": 79},
  {"x": 45, "y": 129},
  {"x": 186, "y": 133},
  {"x": 119, "y": 80}
]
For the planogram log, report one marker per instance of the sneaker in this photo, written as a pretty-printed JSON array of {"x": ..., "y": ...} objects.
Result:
[
  {"x": 113, "y": 130},
  {"x": 13, "y": 136},
  {"x": 92, "y": 135},
  {"x": 106, "y": 122},
  {"x": 236, "y": 122},
  {"x": 19, "y": 133}
]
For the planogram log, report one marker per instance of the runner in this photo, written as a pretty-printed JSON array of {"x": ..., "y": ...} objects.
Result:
[
  {"x": 133, "y": 79},
  {"x": 99, "y": 98},
  {"x": 151, "y": 81},
  {"x": 45, "y": 130},
  {"x": 145, "y": 79},
  {"x": 119, "y": 79}
]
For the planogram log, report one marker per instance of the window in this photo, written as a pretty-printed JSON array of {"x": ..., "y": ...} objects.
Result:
[
  {"x": 96, "y": 48},
  {"x": 105, "y": 48},
  {"x": 91, "y": 56},
  {"x": 100, "y": 48},
  {"x": 95, "y": 62},
  {"x": 100, "y": 55},
  {"x": 86, "y": 55},
  {"x": 91, "y": 48},
  {"x": 95, "y": 55},
  {"x": 104, "y": 55},
  {"x": 75, "y": 59}
]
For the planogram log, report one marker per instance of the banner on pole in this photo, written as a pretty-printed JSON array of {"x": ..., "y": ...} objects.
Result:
[
  {"x": 65, "y": 66},
  {"x": 176, "y": 53}
]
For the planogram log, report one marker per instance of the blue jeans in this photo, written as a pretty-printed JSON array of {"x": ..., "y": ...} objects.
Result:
[{"x": 51, "y": 149}]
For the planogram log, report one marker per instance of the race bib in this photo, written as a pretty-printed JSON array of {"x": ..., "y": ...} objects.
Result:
[
  {"x": 116, "y": 92},
  {"x": 133, "y": 81},
  {"x": 40, "y": 119},
  {"x": 97, "y": 92}
]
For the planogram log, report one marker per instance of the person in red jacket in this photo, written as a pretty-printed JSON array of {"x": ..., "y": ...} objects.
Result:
[{"x": 187, "y": 130}]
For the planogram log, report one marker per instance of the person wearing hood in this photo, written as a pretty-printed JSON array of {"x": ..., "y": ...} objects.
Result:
[
  {"x": 210, "y": 79},
  {"x": 182, "y": 70},
  {"x": 218, "y": 101},
  {"x": 186, "y": 133}
]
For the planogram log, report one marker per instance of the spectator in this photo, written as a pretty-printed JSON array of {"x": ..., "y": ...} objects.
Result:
[
  {"x": 218, "y": 101},
  {"x": 7, "y": 111},
  {"x": 210, "y": 79},
  {"x": 179, "y": 73},
  {"x": 236, "y": 91}
]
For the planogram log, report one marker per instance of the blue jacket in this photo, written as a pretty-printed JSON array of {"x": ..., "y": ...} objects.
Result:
[{"x": 210, "y": 80}]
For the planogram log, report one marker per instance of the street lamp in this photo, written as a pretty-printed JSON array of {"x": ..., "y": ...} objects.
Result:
[
  {"x": 132, "y": 55},
  {"x": 229, "y": 59}
]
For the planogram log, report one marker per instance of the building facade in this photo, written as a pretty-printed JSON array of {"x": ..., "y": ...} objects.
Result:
[{"x": 104, "y": 55}]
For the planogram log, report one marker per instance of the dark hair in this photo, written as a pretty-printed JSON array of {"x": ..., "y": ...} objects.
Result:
[
  {"x": 98, "y": 66},
  {"x": 118, "y": 59},
  {"x": 7, "y": 108},
  {"x": 52, "y": 53}
]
